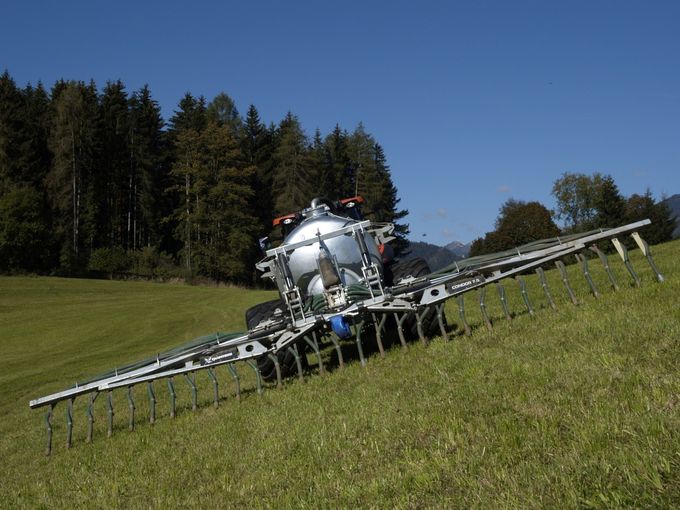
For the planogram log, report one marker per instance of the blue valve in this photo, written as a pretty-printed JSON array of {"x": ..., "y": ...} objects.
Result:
[{"x": 340, "y": 326}]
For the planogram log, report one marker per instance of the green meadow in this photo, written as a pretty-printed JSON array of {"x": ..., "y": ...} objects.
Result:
[{"x": 573, "y": 408}]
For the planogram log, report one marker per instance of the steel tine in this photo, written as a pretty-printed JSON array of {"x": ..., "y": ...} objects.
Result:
[
  {"x": 623, "y": 253},
  {"x": 131, "y": 406},
  {"x": 544, "y": 285},
  {"x": 315, "y": 339},
  {"x": 378, "y": 332},
  {"x": 565, "y": 279},
  {"x": 400, "y": 329},
  {"x": 216, "y": 387},
  {"x": 111, "y": 414},
  {"x": 419, "y": 325},
  {"x": 237, "y": 383},
  {"x": 173, "y": 397},
  {"x": 152, "y": 402},
  {"x": 525, "y": 294},
  {"x": 461, "y": 313},
  {"x": 583, "y": 261},
  {"x": 194, "y": 391},
  {"x": 277, "y": 368},
  {"x": 315, "y": 347},
  {"x": 440, "y": 320},
  {"x": 293, "y": 350},
  {"x": 69, "y": 422},
  {"x": 504, "y": 301},
  {"x": 644, "y": 248},
  {"x": 90, "y": 416},
  {"x": 605, "y": 262},
  {"x": 359, "y": 327},
  {"x": 336, "y": 344},
  {"x": 48, "y": 425},
  {"x": 482, "y": 307},
  {"x": 258, "y": 376}
]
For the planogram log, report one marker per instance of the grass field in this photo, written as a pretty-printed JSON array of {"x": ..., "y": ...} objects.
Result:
[{"x": 574, "y": 408}]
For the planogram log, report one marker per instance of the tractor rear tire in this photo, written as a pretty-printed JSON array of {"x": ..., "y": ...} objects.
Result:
[
  {"x": 258, "y": 314},
  {"x": 416, "y": 268}
]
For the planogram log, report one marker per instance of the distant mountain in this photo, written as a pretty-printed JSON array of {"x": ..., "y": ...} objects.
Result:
[
  {"x": 459, "y": 249},
  {"x": 673, "y": 204},
  {"x": 437, "y": 257}
]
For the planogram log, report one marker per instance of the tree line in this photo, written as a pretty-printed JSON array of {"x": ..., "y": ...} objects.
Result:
[
  {"x": 96, "y": 180},
  {"x": 584, "y": 203}
]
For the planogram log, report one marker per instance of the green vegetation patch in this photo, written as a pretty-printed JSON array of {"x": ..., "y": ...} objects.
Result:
[{"x": 578, "y": 407}]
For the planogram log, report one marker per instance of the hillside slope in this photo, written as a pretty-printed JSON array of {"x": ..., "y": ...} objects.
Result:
[{"x": 574, "y": 408}]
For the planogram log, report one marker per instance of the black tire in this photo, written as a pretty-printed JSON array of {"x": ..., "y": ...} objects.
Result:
[
  {"x": 403, "y": 269},
  {"x": 416, "y": 268},
  {"x": 260, "y": 313}
]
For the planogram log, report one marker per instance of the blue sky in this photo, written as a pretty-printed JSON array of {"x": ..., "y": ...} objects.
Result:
[{"x": 474, "y": 102}]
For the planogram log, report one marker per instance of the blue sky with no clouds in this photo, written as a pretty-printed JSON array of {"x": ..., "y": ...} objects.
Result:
[{"x": 474, "y": 102}]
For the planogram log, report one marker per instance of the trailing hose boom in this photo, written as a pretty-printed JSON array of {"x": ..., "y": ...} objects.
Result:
[{"x": 337, "y": 280}]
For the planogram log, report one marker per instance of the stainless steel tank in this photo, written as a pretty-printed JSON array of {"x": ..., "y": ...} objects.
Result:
[{"x": 343, "y": 250}]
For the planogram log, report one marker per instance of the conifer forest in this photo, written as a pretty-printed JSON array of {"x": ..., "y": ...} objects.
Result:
[{"x": 96, "y": 181}]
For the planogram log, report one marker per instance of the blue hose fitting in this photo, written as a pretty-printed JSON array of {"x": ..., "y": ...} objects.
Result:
[{"x": 340, "y": 326}]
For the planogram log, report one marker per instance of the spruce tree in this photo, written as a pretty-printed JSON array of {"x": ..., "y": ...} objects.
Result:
[
  {"x": 336, "y": 179},
  {"x": 11, "y": 103},
  {"x": 257, "y": 145},
  {"x": 185, "y": 170},
  {"x": 191, "y": 115},
  {"x": 72, "y": 142},
  {"x": 229, "y": 225},
  {"x": 113, "y": 180},
  {"x": 609, "y": 204},
  {"x": 316, "y": 156},
  {"x": 360, "y": 152},
  {"x": 145, "y": 139},
  {"x": 184, "y": 143},
  {"x": 388, "y": 209},
  {"x": 292, "y": 182},
  {"x": 35, "y": 157},
  {"x": 24, "y": 162}
]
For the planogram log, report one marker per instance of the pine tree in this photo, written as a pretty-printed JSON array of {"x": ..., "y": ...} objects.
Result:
[
  {"x": 336, "y": 178},
  {"x": 292, "y": 182},
  {"x": 228, "y": 223},
  {"x": 112, "y": 189},
  {"x": 316, "y": 157},
  {"x": 35, "y": 158},
  {"x": 145, "y": 139},
  {"x": 388, "y": 208},
  {"x": 185, "y": 169},
  {"x": 191, "y": 115},
  {"x": 360, "y": 152},
  {"x": 73, "y": 145},
  {"x": 257, "y": 144},
  {"x": 609, "y": 204},
  {"x": 11, "y": 103},
  {"x": 184, "y": 143}
]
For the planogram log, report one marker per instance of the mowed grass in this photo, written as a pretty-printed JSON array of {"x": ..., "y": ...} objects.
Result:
[{"x": 574, "y": 408}]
